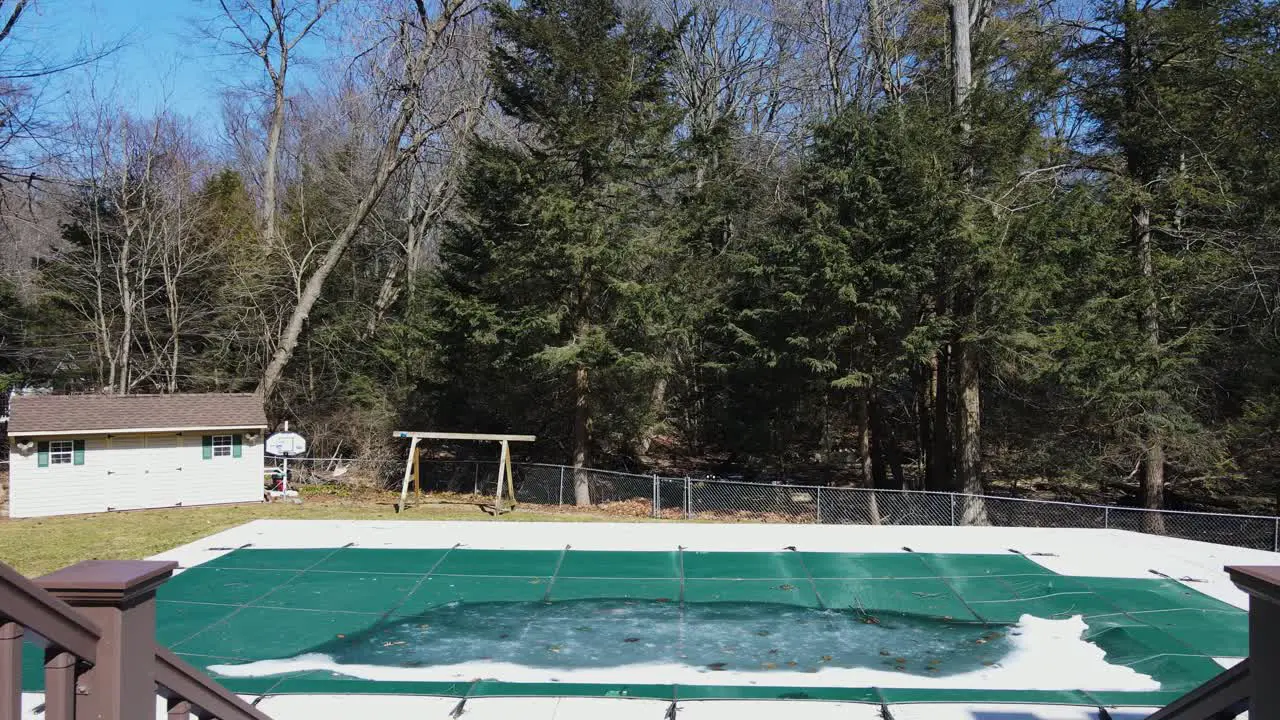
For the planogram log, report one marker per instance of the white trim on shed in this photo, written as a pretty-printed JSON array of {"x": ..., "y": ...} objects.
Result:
[{"x": 120, "y": 431}]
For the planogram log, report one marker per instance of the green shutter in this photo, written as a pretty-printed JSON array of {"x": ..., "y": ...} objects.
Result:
[
  {"x": 42, "y": 453},
  {"x": 207, "y": 442},
  {"x": 78, "y": 454},
  {"x": 236, "y": 442}
]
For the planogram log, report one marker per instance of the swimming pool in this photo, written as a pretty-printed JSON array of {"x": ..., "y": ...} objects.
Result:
[{"x": 869, "y": 627}]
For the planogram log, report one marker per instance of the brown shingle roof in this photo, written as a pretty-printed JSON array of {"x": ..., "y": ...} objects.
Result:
[{"x": 41, "y": 414}]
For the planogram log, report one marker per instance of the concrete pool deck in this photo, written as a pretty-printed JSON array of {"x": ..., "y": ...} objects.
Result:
[{"x": 1097, "y": 553}]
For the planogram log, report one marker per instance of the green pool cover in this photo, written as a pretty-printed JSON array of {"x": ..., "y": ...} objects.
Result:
[{"x": 357, "y": 604}]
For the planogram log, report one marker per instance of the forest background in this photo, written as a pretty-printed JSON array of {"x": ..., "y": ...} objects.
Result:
[{"x": 1022, "y": 246}]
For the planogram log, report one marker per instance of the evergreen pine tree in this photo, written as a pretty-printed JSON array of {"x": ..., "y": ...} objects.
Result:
[{"x": 549, "y": 274}]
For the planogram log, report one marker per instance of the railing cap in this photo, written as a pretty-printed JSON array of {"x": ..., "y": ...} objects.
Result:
[
  {"x": 107, "y": 582},
  {"x": 1260, "y": 581}
]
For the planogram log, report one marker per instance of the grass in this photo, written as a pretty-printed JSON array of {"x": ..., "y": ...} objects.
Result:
[{"x": 36, "y": 546}]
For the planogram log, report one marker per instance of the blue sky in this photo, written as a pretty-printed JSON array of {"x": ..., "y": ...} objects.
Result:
[
  {"x": 164, "y": 61},
  {"x": 161, "y": 63}
]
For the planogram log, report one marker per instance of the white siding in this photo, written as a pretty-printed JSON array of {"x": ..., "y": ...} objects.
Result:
[
  {"x": 221, "y": 479},
  {"x": 134, "y": 471},
  {"x": 56, "y": 489}
]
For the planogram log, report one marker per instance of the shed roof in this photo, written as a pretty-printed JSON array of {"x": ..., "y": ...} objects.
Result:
[{"x": 67, "y": 414}]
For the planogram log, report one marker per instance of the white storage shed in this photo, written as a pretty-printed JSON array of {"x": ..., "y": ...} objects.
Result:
[{"x": 93, "y": 453}]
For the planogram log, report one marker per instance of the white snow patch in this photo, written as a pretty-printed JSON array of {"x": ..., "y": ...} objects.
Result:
[{"x": 1044, "y": 655}]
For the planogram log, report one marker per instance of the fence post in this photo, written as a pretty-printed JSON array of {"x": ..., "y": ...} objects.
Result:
[
  {"x": 953, "y": 509},
  {"x": 1275, "y": 546},
  {"x": 119, "y": 596},
  {"x": 1106, "y": 518},
  {"x": 688, "y": 497},
  {"x": 818, "y": 510},
  {"x": 560, "y": 497},
  {"x": 656, "y": 504},
  {"x": 476, "y": 465}
]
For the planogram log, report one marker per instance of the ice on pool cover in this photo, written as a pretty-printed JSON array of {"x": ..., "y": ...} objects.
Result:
[
  {"x": 894, "y": 627},
  {"x": 603, "y": 641}
]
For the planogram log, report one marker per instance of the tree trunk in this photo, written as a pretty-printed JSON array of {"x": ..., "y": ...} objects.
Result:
[
  {"x": 961, "y": 60},
  {"x": 270, "y": 161},
  {"x": 880, "y": 50},
  {"x": 581, "y": 436},
  {"x": 657, "y": 413},
  {"x": 887, "y": 451},
  {"x": 863, "y": 419},
  {"x": 924, "y": 426},
  {"x": 388, "y": 293},
  {"x": 968, "y": 437},
  {"x": 940, "y": 457},
  {"x": 832, "y": 59},
  {"x": 865, "y": 469},
  {"x": 1151, "y": 442}
]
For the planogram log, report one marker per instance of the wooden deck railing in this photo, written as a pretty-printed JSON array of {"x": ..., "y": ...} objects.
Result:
[{"x": 97, "y": 623}]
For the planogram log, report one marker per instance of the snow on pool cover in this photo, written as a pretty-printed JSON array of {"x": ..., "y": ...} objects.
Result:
[{"x": 885, "y": 627}]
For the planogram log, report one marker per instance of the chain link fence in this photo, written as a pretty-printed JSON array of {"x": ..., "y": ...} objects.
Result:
[{"x": 714, "y": 499}]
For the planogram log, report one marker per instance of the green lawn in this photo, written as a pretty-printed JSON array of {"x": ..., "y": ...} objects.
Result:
[{"x": 39, "y": 545}]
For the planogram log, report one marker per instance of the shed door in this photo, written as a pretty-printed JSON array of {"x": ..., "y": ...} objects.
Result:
[
  {"x": 126, "y": 486},
  {"x": 164, "y": 469}
]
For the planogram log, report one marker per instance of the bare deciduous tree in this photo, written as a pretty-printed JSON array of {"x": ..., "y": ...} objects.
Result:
[
  {"x": 424, "y": 46},
  {"x": 271, "y": 30},
  {"x": 133, "y": 266}
]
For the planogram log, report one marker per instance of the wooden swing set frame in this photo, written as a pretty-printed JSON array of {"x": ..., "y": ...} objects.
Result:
[{"x": 412, "y": 466}]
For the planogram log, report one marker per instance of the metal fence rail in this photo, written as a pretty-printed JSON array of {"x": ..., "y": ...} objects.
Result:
[{"x": 692, "y": 498}]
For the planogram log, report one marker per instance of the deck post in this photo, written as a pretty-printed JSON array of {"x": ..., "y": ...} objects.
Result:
[
  {"x": 11, "y": 671},
  {"x": 119, "y": 597},
  {"x": 60, "y": 672},
  {"x": 1262, "y": 583}
]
